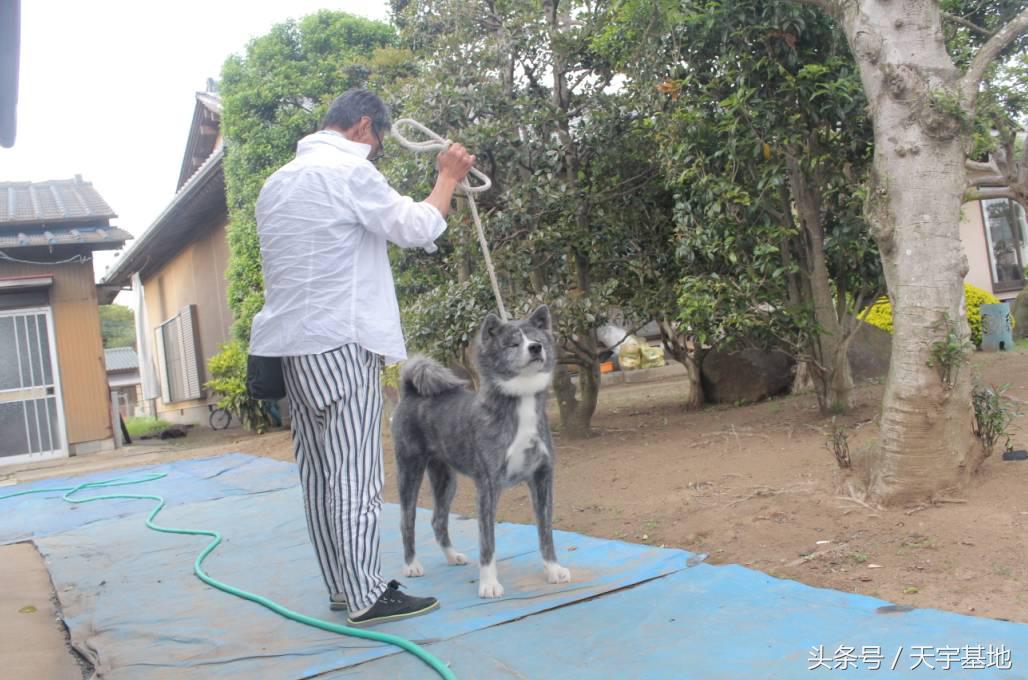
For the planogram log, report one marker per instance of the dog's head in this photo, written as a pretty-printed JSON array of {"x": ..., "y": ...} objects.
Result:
[{"x": 517, "y": 356}]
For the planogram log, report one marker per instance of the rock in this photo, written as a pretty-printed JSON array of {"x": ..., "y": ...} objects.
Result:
[
  {"x": 1019, "y": 309},
  {"x": 746, "y": 376},
  {"x": 869, "y": 353}
]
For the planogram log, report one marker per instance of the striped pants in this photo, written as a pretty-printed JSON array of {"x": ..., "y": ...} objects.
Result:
[{"x": 335, "y": 403}]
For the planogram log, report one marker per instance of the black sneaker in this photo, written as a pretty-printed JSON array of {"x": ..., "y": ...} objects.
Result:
[
  {"x": 392, "y": 605},
  {"x": 337, "y": 602}
]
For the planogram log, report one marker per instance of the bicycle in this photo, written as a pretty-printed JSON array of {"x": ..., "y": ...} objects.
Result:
[{"x": 220, "y": 418}]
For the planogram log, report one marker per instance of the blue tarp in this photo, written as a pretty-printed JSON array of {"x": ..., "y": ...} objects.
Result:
[
  {"x": 188, "y": 481},
  {"x": 727, "y": 623},
  {"x": 135, "y": 609},
  {"x": 129, "y": 597}
]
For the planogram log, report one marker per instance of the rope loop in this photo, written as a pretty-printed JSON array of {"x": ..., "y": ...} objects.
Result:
[{"x": 436, "y": 143}]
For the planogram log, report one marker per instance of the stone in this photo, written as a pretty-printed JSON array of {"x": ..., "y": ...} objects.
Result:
[
  {"x": 746, "y": 376},
  {"x": 869, "y": 353}
]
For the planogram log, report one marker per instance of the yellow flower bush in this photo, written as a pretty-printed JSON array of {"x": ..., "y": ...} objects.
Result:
[{"x": 880, "y": 313}]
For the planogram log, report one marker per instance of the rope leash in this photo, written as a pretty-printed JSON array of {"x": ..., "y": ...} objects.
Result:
[{"x": 435, "y": 144}]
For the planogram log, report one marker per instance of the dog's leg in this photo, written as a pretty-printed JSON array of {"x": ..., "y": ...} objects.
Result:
[
  {"x": 444, "y": 486},
  {"x": 488, "y": 583},
  {"x": 410, "y": 468},
  {"x": 541, "y": 488}
]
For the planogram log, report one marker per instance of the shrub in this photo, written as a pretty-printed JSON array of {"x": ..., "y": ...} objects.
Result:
[
  {"x": 993, "y": 414},
  {"x": 880, "y": 313},
  {"x": 227, "y": 369}
]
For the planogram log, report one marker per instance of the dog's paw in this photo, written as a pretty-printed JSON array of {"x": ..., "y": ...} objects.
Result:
[
  {"x": 557, "y": 574},
  {"x": 455, "y": 558},
  {"x": 490, "y": 589},
  {"x": 413, "y": 569}
]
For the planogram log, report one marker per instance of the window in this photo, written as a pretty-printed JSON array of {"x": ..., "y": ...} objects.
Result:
[
  {"x": 1007, "y": 236},
  {"x": 178, "y": 357}
]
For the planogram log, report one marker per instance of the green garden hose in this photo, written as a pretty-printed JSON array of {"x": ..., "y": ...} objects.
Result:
[{"x": 437, "y": 665}]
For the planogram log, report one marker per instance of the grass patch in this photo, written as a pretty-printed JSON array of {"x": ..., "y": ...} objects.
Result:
[
  {"x": 1002, "y": 570},
  {"x": 142, "y": 426},
  {"x": 919, "y": 542},
  {"x": 1022, "y": 343}
]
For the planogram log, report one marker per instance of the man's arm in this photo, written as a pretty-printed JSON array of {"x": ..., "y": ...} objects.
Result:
[{"x": 399, "y": 219}]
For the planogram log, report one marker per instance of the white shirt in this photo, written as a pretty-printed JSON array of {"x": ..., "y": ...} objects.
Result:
[{"x": 323, "y": 220}]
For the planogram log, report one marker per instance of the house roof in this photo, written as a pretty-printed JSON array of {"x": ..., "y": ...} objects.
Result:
[
  {"x": 198, "y": 204},
  {"x": 53, "y": 202},
  {"x": 98, "y": 238},
  {"x": 204, "y": 133},
  {"x": 121, "y": 359}
]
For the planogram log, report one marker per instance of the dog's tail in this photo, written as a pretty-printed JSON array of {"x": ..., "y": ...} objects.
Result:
[{"x": 423, "y": 377}]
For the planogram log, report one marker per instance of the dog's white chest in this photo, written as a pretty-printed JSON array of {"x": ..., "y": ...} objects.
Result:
[{"x": 525, "y": 437}]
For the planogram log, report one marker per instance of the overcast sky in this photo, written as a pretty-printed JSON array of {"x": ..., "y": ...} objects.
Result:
[{"x": 107, "y": 90}]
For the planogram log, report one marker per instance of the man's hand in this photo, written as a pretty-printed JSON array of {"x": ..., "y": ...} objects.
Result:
[
  {"x": 455, "y": 162},
  {"x": 453, "y": 165}
]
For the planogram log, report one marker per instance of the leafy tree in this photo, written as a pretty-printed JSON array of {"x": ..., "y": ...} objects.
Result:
[
  {"x": 117, "y": 326},
  {"x": 757, "y": 114},
  {"x": 520, "y": 84}
]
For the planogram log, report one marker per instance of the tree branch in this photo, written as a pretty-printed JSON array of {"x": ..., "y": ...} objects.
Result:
[
  {"x": 988, "y": 53},
  {"x": 981, "y": 168},
  {"x": 987, "y": 180},
  {"x": 966, "y": 24},
  {"x": 577, "y": 348},
  {"x": 991, "y": 192},
  {"x": 1001, "y": 177}
]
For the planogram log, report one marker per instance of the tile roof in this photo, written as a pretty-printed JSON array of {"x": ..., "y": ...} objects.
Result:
[
  {"x": 54, "y": 201},
  {"x": 121, "y": 359},
  {"x": 100, "y": 238}
]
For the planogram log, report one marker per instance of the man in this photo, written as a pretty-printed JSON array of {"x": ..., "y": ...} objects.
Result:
[{"x": 330, "y": 311}]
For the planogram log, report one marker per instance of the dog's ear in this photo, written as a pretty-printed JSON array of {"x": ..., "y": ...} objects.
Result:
[
  {"x": 490, "y": 326},
  {"x": 541, "y": 319}
]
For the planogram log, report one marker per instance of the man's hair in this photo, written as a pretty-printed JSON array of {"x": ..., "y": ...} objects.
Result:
[{"x": 349, "y": 107}]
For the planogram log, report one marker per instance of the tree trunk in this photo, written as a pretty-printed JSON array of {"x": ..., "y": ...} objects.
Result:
[
  {"x": 691, "y": 357},
  {"x": 802, "y": 381},
  {"x": 586, "y": 351},
  {"x": 558, "y": 18},
  {"x": 576, "y": 415},
  {"x": 589, "y": 388},
  {"x": 913, "y": 207},
  {"x": 834, "y": 385},
  {"x": 693, "y": 363},
  {"x": 829, "y": 363}
]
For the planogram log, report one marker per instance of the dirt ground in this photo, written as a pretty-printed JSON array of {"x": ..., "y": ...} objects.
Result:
[{"x": 754, "y": 485}]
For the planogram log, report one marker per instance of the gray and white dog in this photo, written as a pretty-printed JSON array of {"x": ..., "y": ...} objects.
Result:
[{"x": 498, "y": 436}]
